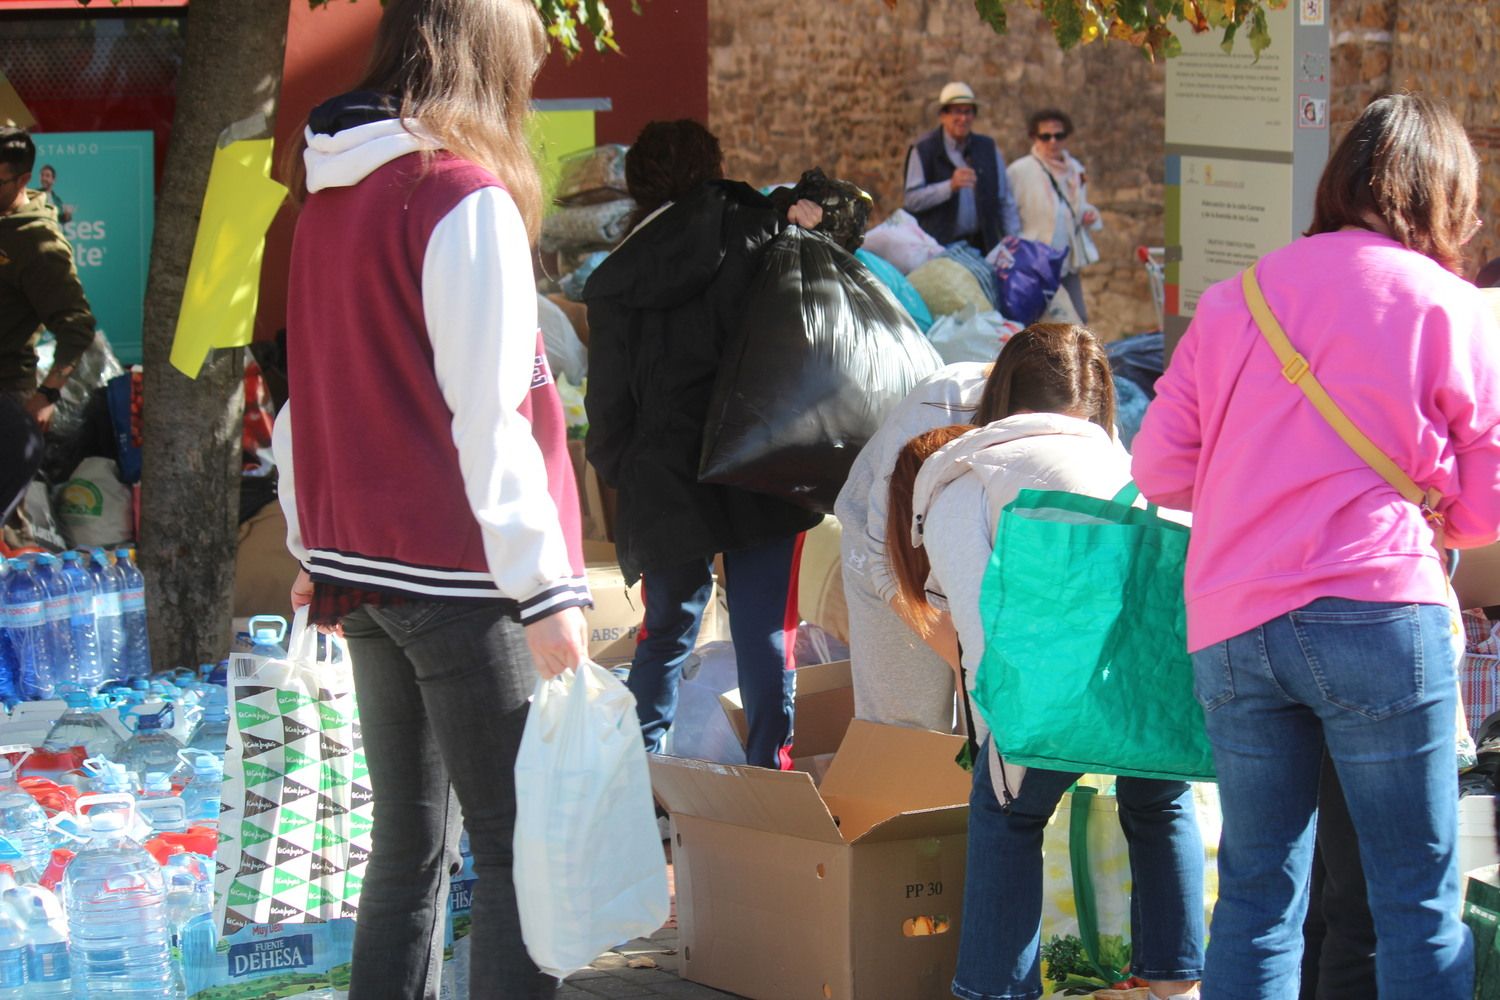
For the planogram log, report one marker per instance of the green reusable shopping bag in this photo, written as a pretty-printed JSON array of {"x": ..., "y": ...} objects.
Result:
[{"x": 1085, "y": 658}]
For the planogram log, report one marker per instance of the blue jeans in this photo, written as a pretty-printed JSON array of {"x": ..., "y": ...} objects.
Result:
[
  {"x": 1375, "y": 683},
  {"x": 443, "y": 690},
  {"x": 999, "y": 940},
  {"x": 675, "y": 596}
]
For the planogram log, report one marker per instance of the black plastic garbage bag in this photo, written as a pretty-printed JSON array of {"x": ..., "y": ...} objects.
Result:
[{"x": 822, "y": 352}]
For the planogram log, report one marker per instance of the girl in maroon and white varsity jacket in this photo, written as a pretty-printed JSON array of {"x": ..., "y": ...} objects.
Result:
[
  {"x": 430, "y": 452},
  {"x": 424, "y": 470}
]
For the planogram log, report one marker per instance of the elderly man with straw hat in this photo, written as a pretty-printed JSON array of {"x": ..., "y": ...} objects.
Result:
[{"x": 955, "y": 177}]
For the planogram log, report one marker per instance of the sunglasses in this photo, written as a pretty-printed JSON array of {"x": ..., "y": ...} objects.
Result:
[{"x": 1051, "y": 136}]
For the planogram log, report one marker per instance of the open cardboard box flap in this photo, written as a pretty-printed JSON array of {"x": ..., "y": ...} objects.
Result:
[
  {"x": 881, "y": 772},
  {"x": 783, "y": 802},
  {"x": 885, "y": 783},
  {"x": 825, "y": 704}
]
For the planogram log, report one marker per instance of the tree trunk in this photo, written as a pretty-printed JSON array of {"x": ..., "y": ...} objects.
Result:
[{"x": 191, "y": 428}]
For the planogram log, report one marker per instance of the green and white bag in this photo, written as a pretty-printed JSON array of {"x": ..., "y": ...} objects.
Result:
[{"x": 294, "y": 834}]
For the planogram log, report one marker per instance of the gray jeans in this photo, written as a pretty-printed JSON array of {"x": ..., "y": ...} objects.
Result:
[{"x": 442, "y": 691}]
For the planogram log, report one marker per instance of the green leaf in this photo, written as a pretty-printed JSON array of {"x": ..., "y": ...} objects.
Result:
[
  {"x": 1067, "y": 21},
  {"x": 1260, "y": 32},
  {"x": 992, "y": 12},
  {"x": 1228, "y": 43}
]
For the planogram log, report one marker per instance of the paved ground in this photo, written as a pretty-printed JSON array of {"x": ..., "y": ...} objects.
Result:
[
  {"x": 646, "y": 967},
  {"x": 643, "y": 968}
]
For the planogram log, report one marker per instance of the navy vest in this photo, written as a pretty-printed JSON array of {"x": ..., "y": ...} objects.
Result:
[{"x": 942, "y": 219}]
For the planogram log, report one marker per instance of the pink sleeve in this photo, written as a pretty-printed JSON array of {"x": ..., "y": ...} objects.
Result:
[
  {"x": 1469, "y": 397},
  {"x": 1165, "y": 452}
]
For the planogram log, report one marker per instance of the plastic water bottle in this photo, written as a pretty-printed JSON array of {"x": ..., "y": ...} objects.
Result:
[
  {"x": 13, "y": 964},
  {"x": 212, "y": 731},
  {"x": 190, "y": 889},
  {"x": 204, "y": 789},
  {"x": 23, "y": 821},
  {"x": 82, "y": 726},
  {"x": 133, "y": 615},
  {"x": 58, "y": 610},
  {"x": 115, "y": 899},
  {"x": 108, "y": 777},
  {"x": 151, "y": 747},
  {"x": 83, "y": 606},
  {"x": 109, "y": 583},
  {"x": 28, "y": 631},
  {"x": 159, "y": 804},
  {"x": 48, "y": 972},
  {"x": 10, "y": 667}
]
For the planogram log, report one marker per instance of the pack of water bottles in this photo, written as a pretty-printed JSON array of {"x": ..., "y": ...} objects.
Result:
[{"x": 78, "y": 620}]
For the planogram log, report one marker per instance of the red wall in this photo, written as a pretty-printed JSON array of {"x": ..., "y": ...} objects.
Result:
[{"x": 661, "y": 72}]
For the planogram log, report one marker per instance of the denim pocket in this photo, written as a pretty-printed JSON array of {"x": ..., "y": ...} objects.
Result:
[
  {"x": 1213, "y": 681},
  {"x": 1365, "y": 657},
  {"x": 408, "y": 616}
]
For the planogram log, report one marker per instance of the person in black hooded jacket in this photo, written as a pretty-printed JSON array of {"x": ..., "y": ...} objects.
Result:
[{"x": 660, "y": 310}]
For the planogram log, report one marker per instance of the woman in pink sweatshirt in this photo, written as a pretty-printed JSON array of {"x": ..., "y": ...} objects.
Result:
[{"x": 1319, "y": 612}]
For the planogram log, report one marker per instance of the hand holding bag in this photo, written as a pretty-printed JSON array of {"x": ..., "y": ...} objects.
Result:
[{"x": 589, "y": 867}]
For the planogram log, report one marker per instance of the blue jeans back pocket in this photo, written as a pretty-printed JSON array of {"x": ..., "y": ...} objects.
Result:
[
  {"x": 1213, "y": 681},
  {"x": 1365, "y": 657}
]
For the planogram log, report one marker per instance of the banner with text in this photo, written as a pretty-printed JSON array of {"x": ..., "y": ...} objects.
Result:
[{"x": 102, "y": 186}]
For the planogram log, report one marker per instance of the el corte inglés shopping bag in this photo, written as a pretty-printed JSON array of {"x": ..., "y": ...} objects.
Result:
[
  {"x": 294, "y": 836},
  {"x": 1085, "y": 663}
]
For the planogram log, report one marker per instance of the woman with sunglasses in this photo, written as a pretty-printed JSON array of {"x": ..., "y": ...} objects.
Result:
[{"x": 1051, "y": 191}]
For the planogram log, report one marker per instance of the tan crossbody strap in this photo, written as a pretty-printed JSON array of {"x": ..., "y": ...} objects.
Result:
[{"x": 1295, "y": 369}]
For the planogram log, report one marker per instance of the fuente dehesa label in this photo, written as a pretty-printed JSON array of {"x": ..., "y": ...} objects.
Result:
[{"x": 291, "y": 952}]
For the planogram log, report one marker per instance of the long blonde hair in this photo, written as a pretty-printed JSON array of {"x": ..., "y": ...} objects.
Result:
[{"x": 463, "y": 70}]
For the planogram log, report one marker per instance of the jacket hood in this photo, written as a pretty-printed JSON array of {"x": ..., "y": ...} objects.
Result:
[
  {"x": 34, "y": 210},
  {"x": 983, "y": 451},
  {"x": 673, "y": 255},
  {"x": 351, "y": 136}
]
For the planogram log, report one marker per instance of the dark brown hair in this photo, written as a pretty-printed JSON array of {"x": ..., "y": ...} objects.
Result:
[
  {"x": 17, "y": 149},
  {"x": 669, "y": 160},
  {"x": 1035, "y": 119},
  {"x": 909, "y": 564},
  {"x": 1406, "y": 162},
  {"x": 1050, "y": 368}
]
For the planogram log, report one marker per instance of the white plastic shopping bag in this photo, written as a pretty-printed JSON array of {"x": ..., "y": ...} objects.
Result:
[{"x": 590, "y": 872}]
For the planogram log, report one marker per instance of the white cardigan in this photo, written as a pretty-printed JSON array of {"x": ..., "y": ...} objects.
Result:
[
  {"x": 957, "y": 502},
  {"x": 1044, "y": 216}
]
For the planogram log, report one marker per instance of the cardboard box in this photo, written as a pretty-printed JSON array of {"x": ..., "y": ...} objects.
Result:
[
  {"x": 790, "y": 892},
  {"x": 615, "y": 618},
  {"x": 824, "y": 707},
  {"x": 1478, "y": 578}
]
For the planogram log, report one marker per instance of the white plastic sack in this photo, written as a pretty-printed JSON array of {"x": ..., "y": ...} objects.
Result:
[
  {"x": 566, "y": 354},
  {"x": 971, "y": 335},
  {"x": 589, "y": 867},
  {"x": 94, "y": 506},
  {"x": 901, "y": 240}
]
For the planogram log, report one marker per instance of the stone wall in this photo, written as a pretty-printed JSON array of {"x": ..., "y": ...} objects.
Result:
[
  {"x": 848, "y": 84},
  {"x": 1451, "y": 50}
]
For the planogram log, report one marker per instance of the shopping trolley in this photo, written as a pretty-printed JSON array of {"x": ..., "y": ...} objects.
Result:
[{"x": 1155, "y": 261}]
